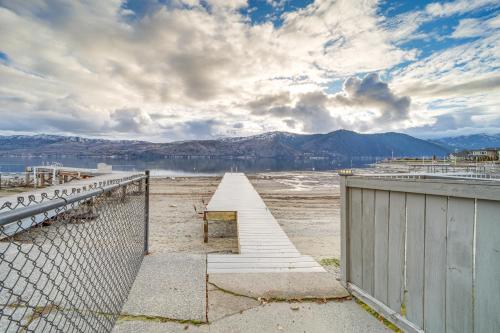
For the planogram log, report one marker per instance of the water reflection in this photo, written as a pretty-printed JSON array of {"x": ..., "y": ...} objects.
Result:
[{"x": 199, "y": 166}]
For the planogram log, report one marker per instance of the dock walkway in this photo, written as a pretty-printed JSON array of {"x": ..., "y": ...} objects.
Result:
[{"x": 263, "y": 246}]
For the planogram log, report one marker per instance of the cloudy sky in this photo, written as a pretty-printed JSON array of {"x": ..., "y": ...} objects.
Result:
[{"x": 165, "y": 70}]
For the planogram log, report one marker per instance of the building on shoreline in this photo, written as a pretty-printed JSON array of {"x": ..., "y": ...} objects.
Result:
[{"x": 486, "y": 154}]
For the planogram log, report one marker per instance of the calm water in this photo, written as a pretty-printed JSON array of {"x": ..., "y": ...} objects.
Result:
[{"x": 177, "y": 167}]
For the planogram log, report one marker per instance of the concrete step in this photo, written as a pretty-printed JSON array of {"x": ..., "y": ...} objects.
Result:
[
  {"x": 264, "y": 270},
  {"x": 282, "y": 284},
  {"x": 262, "y": 264},
  {"x": 244, "y": 259}
]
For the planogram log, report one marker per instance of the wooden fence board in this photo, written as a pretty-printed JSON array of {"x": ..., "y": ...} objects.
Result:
[
  {"x": 487, "y": 307},
  {"x": 415, "y": 227},
  {"x": 457, "y": 188},
  {"x": 355, "y": 231},
  {"x": 460, "y": 231},
  {"x": 435, "y": 264},
  {"x": 381, "y": 245},
  {"x": 368, "y": 235},
  {"x": 344, "y": 257},
  {"x": 397, "y": 216}
]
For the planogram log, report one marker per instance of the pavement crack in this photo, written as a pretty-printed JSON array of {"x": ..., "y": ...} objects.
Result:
[
  {"x": 232, "y": 292},
  {"x": 264, "y": 300},
  {"x": 159, "y": 319},
  {"x": 236, "y": 313}
]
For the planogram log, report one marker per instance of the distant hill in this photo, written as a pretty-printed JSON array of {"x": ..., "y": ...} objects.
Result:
[
  {"x": 341, "y": 143},
  {"x": 475, "y": 141}
]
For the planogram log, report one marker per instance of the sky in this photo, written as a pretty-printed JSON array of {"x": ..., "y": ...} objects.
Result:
[{"x": 165, "y": 70}]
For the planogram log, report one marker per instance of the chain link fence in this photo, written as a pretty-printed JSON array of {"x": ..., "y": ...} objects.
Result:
[{"x": 68, "y": 261}]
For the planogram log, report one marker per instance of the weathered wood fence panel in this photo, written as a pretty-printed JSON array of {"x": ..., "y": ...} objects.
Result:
[
  {"x": 487, "y": 305},
  {"x": 426, "y": 253},
  {"x": 415, "y": 219},
  {"x": 395, "y": 270},
  {"x": 381, "y": 245},
  {"x": 356, "y": 245},
  {"x": 459, "y": 265},
  {"x": 368, "y": 237},
  {"x": 435, "y": 264}
]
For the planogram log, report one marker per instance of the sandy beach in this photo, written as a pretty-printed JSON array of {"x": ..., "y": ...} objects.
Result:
[{"x": 306, "y": 205}]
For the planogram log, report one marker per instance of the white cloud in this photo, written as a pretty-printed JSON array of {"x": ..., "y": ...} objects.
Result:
[
  {"x": 405, "y": 27},
  {"x": 372, "y": 93},
  {"x": 131, "y": 120},
  {"x": 474, "y": 27},
  {"x": 452, "y": 82},
  {"x": 456, "y": 7},
  {"x": 363, "y": 104},
  {"x": 175, "y": 70}
]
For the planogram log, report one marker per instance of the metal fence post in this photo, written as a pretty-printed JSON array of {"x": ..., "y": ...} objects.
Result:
[{"x": 146, "y": 214}]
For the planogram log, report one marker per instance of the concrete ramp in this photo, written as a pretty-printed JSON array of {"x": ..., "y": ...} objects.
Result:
[{"x": 263, "y": 246}]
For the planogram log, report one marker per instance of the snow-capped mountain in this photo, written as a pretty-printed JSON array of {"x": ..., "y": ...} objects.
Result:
[{"x": 272, "y": 144}]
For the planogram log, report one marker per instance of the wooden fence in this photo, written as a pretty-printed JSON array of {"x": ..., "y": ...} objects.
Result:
[{"x": 424, "y": 253}]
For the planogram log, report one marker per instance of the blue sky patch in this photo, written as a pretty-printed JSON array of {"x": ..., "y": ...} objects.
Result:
[
  {"x": 4, "y": 57},
  {"x": 261, "y": 11}
]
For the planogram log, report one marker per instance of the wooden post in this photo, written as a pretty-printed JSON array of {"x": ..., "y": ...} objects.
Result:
[
  {"x": 205, "y": 227},
  {"x": 344, "y": 224},
  {"x": 124, "y": 193}
]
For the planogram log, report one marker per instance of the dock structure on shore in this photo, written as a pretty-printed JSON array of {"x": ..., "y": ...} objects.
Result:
[
  {"x": 66, "y": 190},
  {"x": 263, "y": 246},
  {"x": 46, "y": 175}
]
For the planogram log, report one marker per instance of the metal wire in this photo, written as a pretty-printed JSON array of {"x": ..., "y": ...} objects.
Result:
[{"x": 67, "y": 263}]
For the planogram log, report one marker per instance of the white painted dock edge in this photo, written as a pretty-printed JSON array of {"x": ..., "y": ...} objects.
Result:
[{"x": 264, "y": 246}]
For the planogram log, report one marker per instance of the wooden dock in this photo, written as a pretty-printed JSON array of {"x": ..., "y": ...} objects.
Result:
[{"x": 263, "y": 246}]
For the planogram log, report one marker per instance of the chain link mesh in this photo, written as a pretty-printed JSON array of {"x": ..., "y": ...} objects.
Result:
[{"x": 70, "y": 268}]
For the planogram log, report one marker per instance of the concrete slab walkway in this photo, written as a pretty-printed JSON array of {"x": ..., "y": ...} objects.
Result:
[
  {"x": 338, "y": 317},
  {"x": 171, "y": 293},
  {"x": 169, "y": 286}
]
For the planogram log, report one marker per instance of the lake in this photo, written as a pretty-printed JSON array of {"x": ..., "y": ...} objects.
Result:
[{"x": 184, "y": 166}]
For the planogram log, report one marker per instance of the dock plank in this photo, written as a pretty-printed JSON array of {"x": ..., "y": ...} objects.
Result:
[{"x": 264, "y": 246}]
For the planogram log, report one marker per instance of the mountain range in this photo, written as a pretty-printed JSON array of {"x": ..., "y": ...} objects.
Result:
[
  {"x": 340, "y": 143},
  {"x": 474, "y": 141}
]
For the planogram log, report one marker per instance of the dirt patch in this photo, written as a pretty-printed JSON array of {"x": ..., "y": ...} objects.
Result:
[{"x": 176, "y": 224}]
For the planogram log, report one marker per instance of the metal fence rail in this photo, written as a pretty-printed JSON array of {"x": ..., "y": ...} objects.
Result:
[
  {"x": 424, "y": 252},
  {"x": 68, "y": 261}
]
